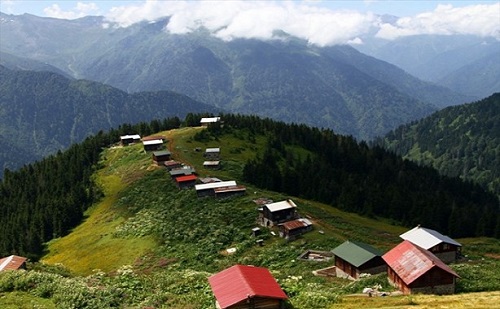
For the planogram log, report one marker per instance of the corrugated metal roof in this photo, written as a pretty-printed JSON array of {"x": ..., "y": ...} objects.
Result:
[
  {"x": 133, "y": 136},
  {"x": 210, "y": 163},
  {"x": 280, "y": 205},
  {"x": 152, "y": 142},
  {"x": 12, "y": 262},
  {"x": 356, "y": 253},
  {"x": 427, "y": 238},
  {"x": 410, "y": 261},
  {"x": 230, "y": 189},
  {"x": 212, "y": 150},
  {"x": 209, "y": 119},
  {"x": 240, "y": 282},
  {"x": 213, "y": 185},
  {"x": 185, "y": 178},
  {"x": 297, "y": 224}
]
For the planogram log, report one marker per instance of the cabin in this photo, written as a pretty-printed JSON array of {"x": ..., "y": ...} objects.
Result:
[
  {"x": 183, "y": 171},
  {"x": 354, "y": 258},
  {"x": 185, "y": 182},
  {"x": 208, "y": 189},
  {"x": 172, "y": 164},
  {"x": 213, "y": 165},
  {"x": 242, "y": 286},
  {"x": 206, "y": 121},
  {"x": 445, "y": 248},
  {"x": 152, "y": 144},
  {"x": 230, "y": 191},
  {"x": 129, "y": 139},
  {"x": 275, "y": 213},
  {"x": 212, "y": 154},
  {"x": 12, "y": 262},
  {"x": 293, "y": 229},
  {"x": 413, "y": 269},
  {"x": 160, "y": 157}
]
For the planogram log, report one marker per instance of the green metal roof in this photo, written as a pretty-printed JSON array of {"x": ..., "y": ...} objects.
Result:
[{"x": 356, "y": 253}]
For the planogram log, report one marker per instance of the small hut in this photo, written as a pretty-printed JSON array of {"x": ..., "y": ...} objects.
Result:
[
  {"x": 353, "y": 258},
  {"x": 12, "y": 262}
]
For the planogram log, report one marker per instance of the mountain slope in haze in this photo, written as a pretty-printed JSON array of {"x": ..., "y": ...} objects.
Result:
[
  {"x": 459, "y": 141},
  {"x": 43, "y": 112},
  {"x": 454, "y": 61},
  {"x": 285, "y": 79},
  {"x": 18, "y": 63}
]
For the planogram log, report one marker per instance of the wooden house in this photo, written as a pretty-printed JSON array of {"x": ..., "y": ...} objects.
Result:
[
  {"x": 12, "y": 262},
  {"x": 186, "y": 182},
  {"x": 275, "y": 213},
  {"x": 292, "y": 229},
  {"x": 172, "y": 164},
  {"x": 208, "y": 189},
  {"x": 183, "y": 171},
  {"x": 212, "y": 154},
  {"x": 354, "y": 258},
  {"x": 445, "y": 248},
  {"x": 129, "y": 139},
  {"x": 413, "y": 269},
  {"x": 160, "y": 157},
  {"x": 206, "y": 121},
  {"x": 229, "y": 191},
  {"x": 214, "y": 165},
  {"x": 241, "y": 287},
  {"x": 152, "y": 144}
]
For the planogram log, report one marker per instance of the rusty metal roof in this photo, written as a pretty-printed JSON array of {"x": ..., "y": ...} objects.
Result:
[
  {"x": 297, "y": 224},
  {"x": 241, "y": 282},
  {"x": 12, "y": 262},
  {"x": 236, "y": 188},
  {"x": 410, "y": 261}
]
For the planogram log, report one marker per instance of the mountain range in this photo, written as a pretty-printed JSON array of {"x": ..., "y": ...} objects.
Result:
[{"x": 338, "y": 86}]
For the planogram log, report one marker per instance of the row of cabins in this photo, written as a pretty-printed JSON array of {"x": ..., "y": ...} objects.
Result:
[
  {"x": 416, "y": 265},
  {"x": 151, "y": 143}
]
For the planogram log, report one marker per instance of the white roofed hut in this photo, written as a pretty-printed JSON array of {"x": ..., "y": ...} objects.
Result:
[
  {"x": 129, "y": 139},
  {"x": 275, "y": 213},
  {"x": 445, "y": 248},
  {"x": 206, "y": 121},
  {"x": 208, "y": 189}
]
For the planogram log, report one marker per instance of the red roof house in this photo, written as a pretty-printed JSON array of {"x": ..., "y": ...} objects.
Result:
[
  {"x": 413, "y": 269},
  {"x": 12, "y": 262},
  {"x": 242, "y": 286},
  {"x": 186, "y": 181}
]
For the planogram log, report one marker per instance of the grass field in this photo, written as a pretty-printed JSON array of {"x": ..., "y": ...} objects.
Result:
[{"x": 157, "y": 245}]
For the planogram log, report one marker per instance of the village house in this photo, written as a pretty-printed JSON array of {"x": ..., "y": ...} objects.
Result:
[
  {"x": 185, "y": 182},
  {"x": 275, "y": 213},
  {"x": 152, "y": 144},
  {"x": 129, "y": 139},
  {"x": 12, "y": 262},
  {"x": 172, "y": 164},
  {"x": 354, "y": 258},
  {"x": 292, "y": 229},
  {"x": 241, "y": 287},
  {"x": 183, "y": 171},
  {"x": 212, "y": 154},
  {"x": 208, "y": 189},
  {"x": 205, "y": 122},
  {"x": 413, "y": 269},
  {"x": 160, "y": 157},
  {"x": 214, "y": 165},
  {"x": 230, "y": 191},
  {"x": 445, "y": 248}
]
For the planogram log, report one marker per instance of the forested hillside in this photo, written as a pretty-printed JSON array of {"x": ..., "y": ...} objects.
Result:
[
  {"x": 46, "y": 199},
  {"x": 461, "y": 141},
  {"x": 43, "y": 112}
]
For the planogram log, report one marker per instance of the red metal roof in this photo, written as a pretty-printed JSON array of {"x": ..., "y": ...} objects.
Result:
[
  {"x": 241, "y": 282},
  {"x": 185, "y": 178},
  {"x": 296, "y": 224},
  {"x": 12, "y": 262},
  {"x": 410, "y": 262}
]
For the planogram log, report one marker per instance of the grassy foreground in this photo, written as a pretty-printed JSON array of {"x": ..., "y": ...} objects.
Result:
[{"x": 147, "y": 244}]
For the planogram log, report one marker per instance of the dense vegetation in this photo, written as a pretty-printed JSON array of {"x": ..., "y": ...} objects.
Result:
[
  {"x": 461, "y": 141},
  {"x": 43, "y": 112},
  {"x": 44, "y": 200},
  {"x": 352, "y": 176}
]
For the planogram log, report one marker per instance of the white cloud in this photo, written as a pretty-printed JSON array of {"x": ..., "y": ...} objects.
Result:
[
  {"x": 320, "y": 26},
  {"x": 81, "y": 10},
  {"x": 482, "y": 20}
]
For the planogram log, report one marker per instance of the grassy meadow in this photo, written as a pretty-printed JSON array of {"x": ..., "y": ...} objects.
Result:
[{"x": 149, "y": 244}]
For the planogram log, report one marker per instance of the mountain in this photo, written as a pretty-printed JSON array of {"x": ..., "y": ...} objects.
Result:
[
  {"x": 463, "y": 63},
  {"x": 43, "y": 112},
  {"x": 18, "y": 63},
  {"x": 338, "y": 87},
  {"x": 460, "y": 141}
]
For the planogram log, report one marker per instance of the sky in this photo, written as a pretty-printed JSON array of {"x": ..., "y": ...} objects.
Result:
[{"x": 320, "y": 22}]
